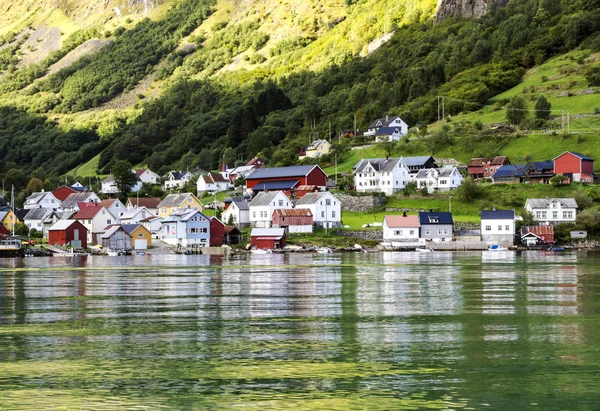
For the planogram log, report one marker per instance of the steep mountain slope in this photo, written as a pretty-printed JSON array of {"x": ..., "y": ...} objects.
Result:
[{"x": 235, "y": 78}]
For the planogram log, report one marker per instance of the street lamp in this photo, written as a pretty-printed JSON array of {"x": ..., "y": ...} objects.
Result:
[{"x": 450, "y": 203}]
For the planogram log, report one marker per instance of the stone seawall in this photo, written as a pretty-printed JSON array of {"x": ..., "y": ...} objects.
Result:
[{"x": 362, "y": 204}]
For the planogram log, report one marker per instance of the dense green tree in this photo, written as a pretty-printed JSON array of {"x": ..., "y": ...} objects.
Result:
[
  {"x": 542, "y": 108},
  {"x": 468, "y": 190},
  {"x": 124, "y": 177},
  {"x": 516, "y": 110},
  {"x": 592, "y": 75}
]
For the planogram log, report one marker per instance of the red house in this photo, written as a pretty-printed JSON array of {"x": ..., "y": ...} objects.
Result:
[
  {"x": 285, "y": 178},
  {"x": 62, "y": 192},
  {"x": 295, "y": 220},
  {"x": 486, "y": 167},
  {"x": 268, "y": 238},
  {"x": 575, "y": 166},
  {"x": 68, "y": 232},
  {"x": 257, "y": 162},
  {"x": 537, "y": 234},
  {"x": 217, "y": 232}
]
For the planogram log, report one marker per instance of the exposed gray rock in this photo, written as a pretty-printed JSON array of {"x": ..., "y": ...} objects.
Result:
[
  {"x": 465, "y": 8},
  {"x": 361, "y": 204}
]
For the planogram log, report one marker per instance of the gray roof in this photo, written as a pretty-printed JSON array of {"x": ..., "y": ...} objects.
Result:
[
  {"x": 379, "y": 164},
  {"x": 113, "y": 229},
  {"x": 174, "y": 200},
  {"x": 281, "y": 172},
  {"x": 316, "y": 144},
  {"x": 241, "y": 204},
  {"x": 545, "y": 202},
  {"x": 72, "y": 200},
  {"x": 441, "y": 172},
  {"x": 37, "y": 213},
  {"x": 382, "y": 122},
  {"x": 311, "y": 198},
  {"x": 264, "y": 198},
  {"x": 416, "y": 161}
]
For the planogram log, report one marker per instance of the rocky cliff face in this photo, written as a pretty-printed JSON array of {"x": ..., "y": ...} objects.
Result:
[{"x": 466, "y": 8}]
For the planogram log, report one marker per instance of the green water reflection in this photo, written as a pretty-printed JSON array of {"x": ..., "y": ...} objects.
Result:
[{"x": 358, "y": 331}]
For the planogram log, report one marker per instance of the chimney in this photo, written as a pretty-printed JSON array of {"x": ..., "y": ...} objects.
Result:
[
  {"x": 404, "y": 214},
  {"x": 387, "y": 157},
  {"x": 431, "y": 210}
]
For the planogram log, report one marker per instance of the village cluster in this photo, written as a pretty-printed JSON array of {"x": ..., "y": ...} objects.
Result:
[{"x": 279, "y": 201}]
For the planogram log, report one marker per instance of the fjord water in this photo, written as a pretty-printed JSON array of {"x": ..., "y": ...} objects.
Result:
[{"x": 355, "y": 331}]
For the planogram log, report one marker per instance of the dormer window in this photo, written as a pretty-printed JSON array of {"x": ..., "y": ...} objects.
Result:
[{"x": 434, "y": 220}]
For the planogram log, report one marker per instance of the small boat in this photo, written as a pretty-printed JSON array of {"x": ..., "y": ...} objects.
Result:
[
  {"x": 496, "y": 247},
  {"x": 140, "y": 253},
  {"x": 324, "y": 250},
  {"x": 424, "y": 250},
  {"x": 261, "y": 251},
  {"x": 556, "y": 249},
  {"x": 113, "y": 253}
]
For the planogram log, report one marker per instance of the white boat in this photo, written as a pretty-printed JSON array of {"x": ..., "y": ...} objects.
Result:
[
  {"x": 424, "y": 250},
  {"x": 113, "y": 253},
  {"x": 496, "y": 247},
  {"x": 324, "y": 250},
  {"x": 260, "y": 251}
]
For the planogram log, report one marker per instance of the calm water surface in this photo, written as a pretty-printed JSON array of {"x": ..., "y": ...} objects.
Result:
[{"x": 379, "y": 331}]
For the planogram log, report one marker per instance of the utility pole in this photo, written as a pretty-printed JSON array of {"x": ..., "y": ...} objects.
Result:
[
  {"x": 335, "y": 163},
  {"x": 329, "y": 131},
  {"x": 355, "y": 132},
  {"x": 12, "y": 207}
]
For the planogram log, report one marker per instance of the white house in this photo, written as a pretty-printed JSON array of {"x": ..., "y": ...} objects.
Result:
[
  {"x": 176, "y": 179},
  {"x": 109, "y": 185},
  {"x": 388, "y": 134},
  {"x": 147, "y": 176},
  {"x": 385, "y": 175},
  {"x": 552, "y": 210},
  {"x": 401, "y": 228},
  {"x": 95, "y": 218},
  {"x": 438, "y": 179},
  {"x": 239, "y": 213},
  {"x": 212, "y": 183},
  {"x": 44, "y": 199},
  {"x": 35, "y": 218},
  {"x": 264, "y": 204},
  {"x": 153, "y": 224},
  {"x": 498, "y": 227},
  {"x": 325, "y": 207},
  {"x": 390, "y": 122},
  {"x": 135, "y": 215},
  {"x": 116, "y": 208},
  {"x": 71, "y": 203}
]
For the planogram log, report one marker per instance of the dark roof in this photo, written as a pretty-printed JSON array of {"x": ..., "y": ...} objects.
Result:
[
  {"x": 232, "y": 230},
  {"x": 275, "y": 185},
  {"x": 510, "y": 171},
  {"x": 21, "y": 213},
  {"x": 130, "y": 228},
  {"x": 387, "y": 131},
  {"x": 3, "y": 201},
  {"x": 241, "y": 204},
  {"x": 443, "y": 217},
  {"x": 498, "y": 214},
  {"x": 383, "y": 122},
  {"x": 581, "y": 156},
  {"x": 542, "y": 165},
  {"x": 379, "y": 164},
  {"x": 281, "y": 172},
  {"x": 417, "y": 161}
]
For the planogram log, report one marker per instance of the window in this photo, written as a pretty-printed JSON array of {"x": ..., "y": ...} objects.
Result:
[
  {"x": 254, "y": 214},
  {"x": 499, "y": 228},
  {"x": 193, "y": 230},
  {"x": 103, "y": 211},
  {"x": 568, "y": 215},
  {"x": 140, "y": 235},
  {"x": 397, "y": 232},
  {"x": 507, "y": 228},
  {"x": 538, "y": 215},
  {"x": 555, "y": 215},
  {"x": 108, "y": 222},
  {"x": 280, "y": 203},
  {"x": 412, "y": 232},
  {"x": 328, "y": 202},
  {"x": 333, "y": 214},
  {"x": 443, "y": 231},
  {"x": 427, "y": 232},
  {"x": 322, "y": 214},
  {"x": 204, "y": 230},
  {"x": 488, "y": 228},
  {"x": 544, "y": 215}
]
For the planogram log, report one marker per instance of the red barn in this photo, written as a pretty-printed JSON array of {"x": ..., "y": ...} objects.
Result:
[
  {"x": 217, "y": 232},
  {"x": 575, "y": 165},
  {"x": 62, "y": 192},
  {"x": 268, "y": 238},
  {"x": 68, "y": 232},
  {"x": 486, "y": 167},
  {"x": 295, "y": 220},
  {"x": 285, "y": 178},
  {"x": 537, "y": 234}
]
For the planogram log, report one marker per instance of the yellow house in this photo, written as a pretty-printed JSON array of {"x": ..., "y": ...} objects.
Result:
[
  {"x": 174, "y": 202},
  {"x": 8, "y": 219},
  {"x": 141, "y": 238}
]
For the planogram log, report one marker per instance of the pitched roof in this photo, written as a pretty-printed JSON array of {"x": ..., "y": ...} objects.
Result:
[
  {"x": 511, "y": 171},
  {"x": 75, "y": 198},
  {"x": 62, "y": 225},
  {"x": 383, "y": 122},
  {"x": 88, "y": 212},
  {"x": 231, "y": 229},
  {"x": 379, "y": 164},
  {"x": 542, "y": 165},
  {"x": 140, "y": 171},
  {"x": 293, "y": 212},
  {"x": 387, "y": 131},
  {"x": 315, "y": 145},
  {"x": 442, "y": 217},
  {"x": 148, "y": 202},
  {"x": 63, "y": 196},
  {"x": 183, "y": 215},
  {"x": 275, "y": 185},
  {"x": 416, "y": 161},
  {"x": 282, "y": 172},
  {"x": 109, "y": 202},
  {"x": 212, "y": 178},
  {"x": 21, "y": 213},
  {"x": 132, "y": 212},
  {"x": 545, "y": 202},
  {"x": 253, "y": 161},
  {"x": 402, "y": 220},
  {"x": 38, "y": 213},
  {"x": 498, "y": 214},
  {"x": 581, "y": 156},
  {"x": 113, "y": 229},
  {"x": 151, "y": 218},
  {"x": 175, "y": 200},
  {"x": 241, "y": 204},
  {"x": 312, "y": 198},
  {"x": 130, "y": 228},
  {"x": 538, "y": 230},
  {"x": 264, "y": 198}
]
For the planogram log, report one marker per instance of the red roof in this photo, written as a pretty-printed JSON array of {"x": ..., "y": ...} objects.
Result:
[
  {"x": 293, "y": 212},
  {"x": 84, "y": 204},
  {"x": 107, "y": 203},
  {"x": 402, "y": 221},
  {"x": 148, "y": 202},
  {"x": 140, "y": 172},
  {"x": 87, "y": 212},
  {"x": 62, "y": 192},
  {"x": 539, "y": 230}
]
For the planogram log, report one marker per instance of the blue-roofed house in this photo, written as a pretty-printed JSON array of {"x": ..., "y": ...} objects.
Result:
[
  {"x": 436, "y": 226},
  {"x": 540, "y": 172},
  {"x": 388, "y": 134},
  {"x": 387, "y": 122},
  {"x": 264, "y": 204},
  {"x": 510, "y": 174},
  {"x": 186, "y": 229},
  {"x": 285, "y": 178},
  {"x": 176, "y": 179},
  {"x": 498, "y": 227}
]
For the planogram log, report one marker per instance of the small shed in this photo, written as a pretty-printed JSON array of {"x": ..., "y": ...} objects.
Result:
[
  {"x": 537, "y": 235},
  {"x": 232, "y": 235},
  {"x": 268, "y": 238},
  {"x": 116, "y": 238},
  {"x": 578, "y": 235},
  {"x": 294, "y": 220},
  {"x": 141, "y": 237},
  {"x": 217, "y": 232},
  {"x": 68, "y": 232}
]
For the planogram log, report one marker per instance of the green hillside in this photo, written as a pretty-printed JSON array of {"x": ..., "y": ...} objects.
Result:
[{"x": 201, "y": 81}]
